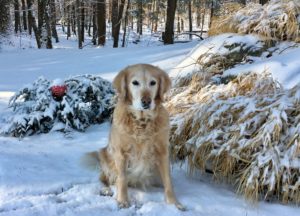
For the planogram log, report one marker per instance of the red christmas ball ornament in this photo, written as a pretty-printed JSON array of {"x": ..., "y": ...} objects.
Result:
[{"x": 58, "y": 91}]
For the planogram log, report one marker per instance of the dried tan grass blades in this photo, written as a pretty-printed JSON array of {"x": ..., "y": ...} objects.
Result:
[
  {"x": 247, "y": 131},
  {"x": 279, "y": 19}
]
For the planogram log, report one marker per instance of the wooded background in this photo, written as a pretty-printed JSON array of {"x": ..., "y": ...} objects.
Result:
[{"x": 100, "y": 19}]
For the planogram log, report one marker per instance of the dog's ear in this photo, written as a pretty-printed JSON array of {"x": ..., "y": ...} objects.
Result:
[
  {"x": 164, "y": 85},
  {"x": 120, "y": 84}
]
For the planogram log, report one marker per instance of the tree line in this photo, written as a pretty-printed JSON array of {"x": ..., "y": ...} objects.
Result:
[{"x": 100, "y": 18}]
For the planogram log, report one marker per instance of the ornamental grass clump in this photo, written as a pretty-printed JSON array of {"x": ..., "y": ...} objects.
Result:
[
  {"x": 246, "y": 131},
  {"x": 276, "y": 20}
]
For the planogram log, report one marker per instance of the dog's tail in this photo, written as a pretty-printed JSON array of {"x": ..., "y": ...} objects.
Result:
[{"x": 91, "y": 160}]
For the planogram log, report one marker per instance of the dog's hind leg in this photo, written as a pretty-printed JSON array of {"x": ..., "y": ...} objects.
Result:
[{"x": 104, "y": 178}]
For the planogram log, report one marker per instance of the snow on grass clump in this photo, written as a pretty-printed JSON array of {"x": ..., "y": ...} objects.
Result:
[
  {"x": 37, "y": 108},
  {"x": 220, "y": 53},
  {"x": 246, "y": 131},
  {"x": 278, "y": 19},
  {"x": 236, "y": 119}
]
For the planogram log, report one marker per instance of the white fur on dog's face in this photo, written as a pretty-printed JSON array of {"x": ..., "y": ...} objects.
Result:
[{"x": 143, "y": 85}]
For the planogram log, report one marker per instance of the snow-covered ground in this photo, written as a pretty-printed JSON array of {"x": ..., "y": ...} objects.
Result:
[{"x": 41, "y": 174}]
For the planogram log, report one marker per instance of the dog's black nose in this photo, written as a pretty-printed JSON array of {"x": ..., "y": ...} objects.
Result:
[{"x": 146, "y": 102}]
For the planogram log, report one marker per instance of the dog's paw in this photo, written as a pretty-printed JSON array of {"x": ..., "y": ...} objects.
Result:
[
  {"x": 180, "y": 206},
  {"x": 106, "y": 191},
  {"x": 123, "y": 204}
]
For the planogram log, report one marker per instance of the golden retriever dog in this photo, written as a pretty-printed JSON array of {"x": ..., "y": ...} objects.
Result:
[{"x": 138, "y": 148}]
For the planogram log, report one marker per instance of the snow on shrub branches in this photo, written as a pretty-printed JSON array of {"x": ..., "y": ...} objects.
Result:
[{"x": 88, "y": 100}]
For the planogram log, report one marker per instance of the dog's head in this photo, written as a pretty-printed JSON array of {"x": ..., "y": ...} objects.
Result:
[{"x": 142, "y": 85}]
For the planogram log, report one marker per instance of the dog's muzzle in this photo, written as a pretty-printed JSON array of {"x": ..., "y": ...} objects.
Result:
[{"x": 146, "y": 102}]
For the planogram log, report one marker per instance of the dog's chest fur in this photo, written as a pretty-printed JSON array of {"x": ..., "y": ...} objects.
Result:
[{"x": 141, "y": 153}]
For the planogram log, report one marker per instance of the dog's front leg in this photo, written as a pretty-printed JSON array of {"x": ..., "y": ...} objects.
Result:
[
  {"x": 121, "y": 182},
  {"x": 164, "y": 170}
]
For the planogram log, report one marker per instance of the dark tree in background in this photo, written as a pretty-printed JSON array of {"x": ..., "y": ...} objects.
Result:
[
  {"x": 190, "y": 18},
  {"x": 263, "y": 2},
  {"x": 140, "y": 17},
  {"x": 32, "y": 23},
  {"x": 4, "y": 18},
  {"x": 17, "y": 16},
  {"x": 78, "y": 20},
  {"x": 82, "y": 20},
  {"x": 53, "y": 20},
  {"x": 44, "y": 29},
  {"x": 116, "y": 18},
  {"x": 94, "y": 18},
  {"x": 114, "y": 21},
  {"x": 101, "y": 18},
  {"x": 24, "y": 17},
  {"x": 169, "y": 30},
  {"x": 125, "y": 23}
]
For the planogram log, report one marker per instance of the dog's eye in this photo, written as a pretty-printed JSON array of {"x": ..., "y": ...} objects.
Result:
[
  {"x": 152, "y": 83},
  {"x": 134, "y": 82}
]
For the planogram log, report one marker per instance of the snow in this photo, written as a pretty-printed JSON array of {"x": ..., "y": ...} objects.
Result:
[
  {"x": 209, "y": 46},
  {"x": 61, "y": 63},
  {"x": 57, "y": 82},
  {"x": 283, "y": 64},
  {"x": 42, "y": 175},
  {"x": 285, "y": 68}
]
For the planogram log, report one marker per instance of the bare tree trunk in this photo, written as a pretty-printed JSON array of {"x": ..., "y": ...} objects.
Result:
[
  {"x": 114, "y": 21},
  {"x": 29, "y": 16},
  {"x": 79, "y": 35},
  {"x": 95, "y": 28},
  {"x": 32, "y": 23},
  {"x": 125, "y": 23},
  {"x": 211, "y": 13},
  {"x": 243, "y": 2},
  {"x": 53, "y": 20},
  {"x": 68, "y": 21},
  {"x": 17, "y": 16},
  {"x": 203, "y": 20},
  {"x": 5, "y": 17},
  {"x": 198, "y": 16},
  {"x": 73, "y": 19},
  {"x": 140, "y": 17},
  {"x": 190, "y": 19},
  {"x": 44, "y": 28},
  {"x": 263, "y": 2},
  {"x": 117, "y": 13},
  {"x": 101, "y": 15},
  {"x": 157, "y": 14},
  {"x": 24, "y": 15},
  {"x": 178, "y": 24},
  {"x": 82, "y": 18},
  {"x": 169, "y": 30},
  {"x": 90, "y": 23}
]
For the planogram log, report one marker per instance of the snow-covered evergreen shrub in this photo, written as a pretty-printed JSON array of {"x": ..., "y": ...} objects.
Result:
[
  {"x": 245, "y": 131},
  {"x": 88, "y": 100},
  {"x": 278, "y": 19}
]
